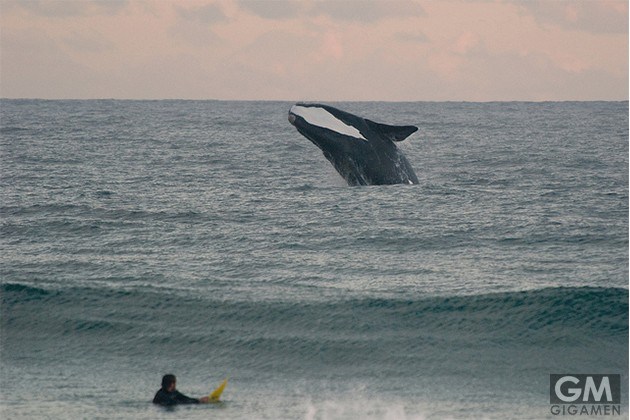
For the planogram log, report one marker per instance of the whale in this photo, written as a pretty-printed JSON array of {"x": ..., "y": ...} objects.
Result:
[{"x": 363, "y": 151}]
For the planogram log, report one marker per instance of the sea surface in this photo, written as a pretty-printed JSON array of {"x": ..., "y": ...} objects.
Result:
[{"x": 210, "y": 239}]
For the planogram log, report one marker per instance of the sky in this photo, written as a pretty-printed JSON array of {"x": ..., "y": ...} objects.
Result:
[{"x": 315, "y": 50}]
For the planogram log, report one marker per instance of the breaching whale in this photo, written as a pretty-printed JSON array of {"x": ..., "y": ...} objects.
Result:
[{"x": 362, "y": 151}]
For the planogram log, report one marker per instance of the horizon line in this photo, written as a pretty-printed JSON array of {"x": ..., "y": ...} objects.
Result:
[{"x": 313, "y": 100}]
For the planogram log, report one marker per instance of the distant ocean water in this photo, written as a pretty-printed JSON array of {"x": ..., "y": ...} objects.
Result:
[{"x": 210, "y": 239}]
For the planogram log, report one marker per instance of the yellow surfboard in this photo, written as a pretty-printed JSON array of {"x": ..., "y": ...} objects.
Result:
[{"x": 216, "y": 394}]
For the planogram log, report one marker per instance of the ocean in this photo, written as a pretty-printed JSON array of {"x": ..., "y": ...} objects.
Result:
[{"x": 209, "y": 239}]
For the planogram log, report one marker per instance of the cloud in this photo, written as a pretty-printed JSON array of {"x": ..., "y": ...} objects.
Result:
[
  {"x": 345, "y": 11},
  {"x": 68, "y": 8},
  {"x": 417, "y": 37},
  {"x": 366, "y": 12},
  {"x": 275, "y": 9},
  {"x": 278, "y": 47},
  {"x": 481, "y": 75},
  {"x": 88, "y": 41},
  {"x": 598, "y": 17},
  {"x": 207, "y": 14},
  {"x": 33, "y": 66},
  {"x": 317, "y": 49},
  {"x": 538, "y": 77},
  {"x": 195, "y": 24}
]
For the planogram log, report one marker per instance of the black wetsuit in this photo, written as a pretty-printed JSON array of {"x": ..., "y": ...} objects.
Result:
[{"x": 163, "y": 397}]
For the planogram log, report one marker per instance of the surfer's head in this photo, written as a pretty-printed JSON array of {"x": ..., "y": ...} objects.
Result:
[{"x": 168, "y": 382}]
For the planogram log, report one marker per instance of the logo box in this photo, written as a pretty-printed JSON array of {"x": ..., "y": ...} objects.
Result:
[{"x": 580, "y": 388}]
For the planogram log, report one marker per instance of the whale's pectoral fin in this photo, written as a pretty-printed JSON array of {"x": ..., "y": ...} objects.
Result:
[{"x": 394, "y": 132}]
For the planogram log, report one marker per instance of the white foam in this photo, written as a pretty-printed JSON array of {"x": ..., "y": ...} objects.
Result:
[{"x": 322, "y": 118}]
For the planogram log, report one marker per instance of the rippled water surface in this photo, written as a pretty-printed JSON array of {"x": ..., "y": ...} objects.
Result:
[{"x": 211, "y": 239}]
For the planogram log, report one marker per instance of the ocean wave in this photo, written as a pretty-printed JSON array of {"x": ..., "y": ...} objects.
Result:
[
  {"x": 507, "y": 315},
  {"x": 494, "y": 335}
]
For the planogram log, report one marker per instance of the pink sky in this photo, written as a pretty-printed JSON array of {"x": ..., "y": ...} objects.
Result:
[{"x": 315, "y": 50}]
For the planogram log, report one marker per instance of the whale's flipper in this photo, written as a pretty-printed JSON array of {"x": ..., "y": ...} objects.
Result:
[{"x": 393, "y": 132}]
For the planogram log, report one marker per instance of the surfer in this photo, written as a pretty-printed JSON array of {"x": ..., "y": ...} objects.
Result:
[{"x": 169, "y": 395}]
